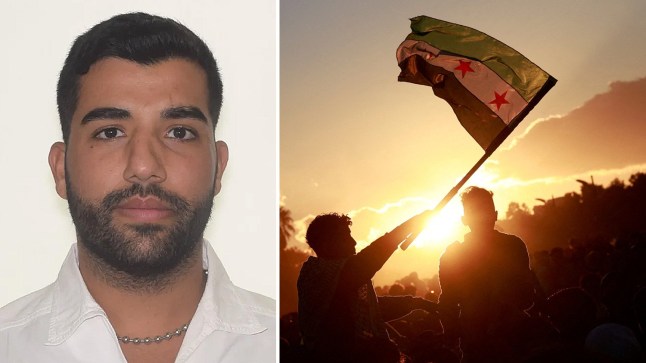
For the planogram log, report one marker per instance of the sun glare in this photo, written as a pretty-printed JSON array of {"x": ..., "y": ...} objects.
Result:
[
  {"x": 443, "y": 228},
  {"x": 446, "y": 226}
]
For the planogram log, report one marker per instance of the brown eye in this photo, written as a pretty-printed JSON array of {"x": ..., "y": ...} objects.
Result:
[
  {"x": 109, "y": 133},
  {"x": 181, "y": 133}
]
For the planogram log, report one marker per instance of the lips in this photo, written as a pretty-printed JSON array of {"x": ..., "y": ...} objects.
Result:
[{"x": 144, "y": 210}]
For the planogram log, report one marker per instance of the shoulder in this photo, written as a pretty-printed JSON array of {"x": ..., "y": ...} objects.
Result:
[
  {"x": 263, "y": 309},
  {"x": 510, "y": 240},
  {"x": 24, "y": 325},
  {"x": 260, "y": 305},
  {"x": 245, "y": 331},
  {"x": 452, "y": 249},
  {"x": 237, "y": 326},
  {"x": 508, "y": 237},
  {"x": 26, "y": 310},
  {"x": 513, "y": 248},
  {"x": 221, "y": 288},
  {"x": 451, "y": 254},
  {"x": 315, "y": 268},
  {"x": 310, "y": 263}
]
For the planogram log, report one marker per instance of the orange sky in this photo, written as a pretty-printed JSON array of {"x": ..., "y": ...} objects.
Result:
[{"x": 355, "y": 141}]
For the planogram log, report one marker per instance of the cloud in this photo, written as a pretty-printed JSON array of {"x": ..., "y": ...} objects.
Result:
[
  {"x": 388, "y": 206},
  {"x": 370, "y": 223},
  {"x": 517, "y": 139},
  {"x": 513, "y": 182},
  {"x": 606, "y": 132}
]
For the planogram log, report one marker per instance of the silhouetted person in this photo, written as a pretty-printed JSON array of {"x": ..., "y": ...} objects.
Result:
[
  {"x": 486, "y": 283},
  {"x": 396, "y": 289},
  {"x": 340, "y": 317},
  {"x": 613, "y": 343},
  {"x": 573, "y": 312}
]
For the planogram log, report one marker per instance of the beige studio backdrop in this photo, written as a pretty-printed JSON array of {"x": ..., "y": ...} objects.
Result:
[{"x": 36, "y": 230}]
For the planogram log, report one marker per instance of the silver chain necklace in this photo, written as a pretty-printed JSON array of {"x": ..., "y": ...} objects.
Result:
[{"x": 157, "y": 339}]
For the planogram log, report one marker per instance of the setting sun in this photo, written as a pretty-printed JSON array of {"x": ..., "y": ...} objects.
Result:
[{"x": 443, "y": 228}]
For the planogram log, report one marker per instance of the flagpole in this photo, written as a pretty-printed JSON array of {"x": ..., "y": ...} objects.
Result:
[
  {"x": 497, "y": 141},
  {"x": 447, "y": 198}
]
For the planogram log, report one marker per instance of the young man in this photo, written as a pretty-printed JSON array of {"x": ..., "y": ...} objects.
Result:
[
  {"x": 139, "y": 98},
  {"x": 486, "y": 284},
  {"x": 340, "y": 317}
]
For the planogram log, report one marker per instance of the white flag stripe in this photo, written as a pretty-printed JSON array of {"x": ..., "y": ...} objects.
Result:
[
  {"x": 410, "y": 47},
  {"x": 482, "y": 82}
]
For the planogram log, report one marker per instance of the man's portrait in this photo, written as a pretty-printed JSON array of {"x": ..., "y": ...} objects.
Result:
[{"x": 139, "y": 194}]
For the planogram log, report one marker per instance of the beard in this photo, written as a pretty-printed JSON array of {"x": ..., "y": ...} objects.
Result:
[{"x": 140, "y": 255}]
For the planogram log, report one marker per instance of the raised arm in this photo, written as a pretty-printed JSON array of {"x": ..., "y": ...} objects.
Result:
[{"x": 363, "y": 266}]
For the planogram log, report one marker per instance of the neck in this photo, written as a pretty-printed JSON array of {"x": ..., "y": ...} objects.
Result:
[{"x": 142, "y": 308}]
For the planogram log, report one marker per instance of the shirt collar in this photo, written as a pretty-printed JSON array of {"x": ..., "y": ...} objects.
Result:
[
  {"x": 72, "y": 303},
  {"x": 221, "y": 307}
]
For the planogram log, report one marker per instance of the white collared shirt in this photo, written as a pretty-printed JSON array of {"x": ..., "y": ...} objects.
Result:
[{"x": 63, "y": 323}]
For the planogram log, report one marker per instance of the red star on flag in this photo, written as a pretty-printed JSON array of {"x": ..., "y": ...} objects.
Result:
[
  {"x": 464, "y": 67},
  {"x": 499, "y": 100}
]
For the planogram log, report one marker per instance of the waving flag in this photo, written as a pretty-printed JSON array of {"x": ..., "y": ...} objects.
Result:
[{"x": 490, "y": 86}]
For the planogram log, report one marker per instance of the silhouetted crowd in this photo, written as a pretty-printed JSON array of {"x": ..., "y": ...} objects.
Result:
[
  {"x": 491, "y": 301},
  {"x": 593, "y": 310}
]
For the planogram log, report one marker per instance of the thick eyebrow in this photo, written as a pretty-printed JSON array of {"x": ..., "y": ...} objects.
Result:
[
  {"x": 105, "y": 113},
  {"x": 182, "y": 112}
]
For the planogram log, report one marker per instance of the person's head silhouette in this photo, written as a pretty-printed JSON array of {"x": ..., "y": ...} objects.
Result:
[
  {"x": 480, "y": 214},
  {"x": 329, "y": 236}
]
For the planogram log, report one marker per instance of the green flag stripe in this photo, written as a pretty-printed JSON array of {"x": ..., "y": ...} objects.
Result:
[
  {"x": 477, "y": 78},
  {"x": 526, "y": 77}
]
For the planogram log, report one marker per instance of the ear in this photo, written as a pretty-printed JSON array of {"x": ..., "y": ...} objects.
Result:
[
  {"x": 57, "y": 165},
  {"x": 222, "y": 157}
]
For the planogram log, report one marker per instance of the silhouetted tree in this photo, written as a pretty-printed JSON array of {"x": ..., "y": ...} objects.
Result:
[
  {"x": 291, "y": 260},
  {"x": 596, "y": 211}
]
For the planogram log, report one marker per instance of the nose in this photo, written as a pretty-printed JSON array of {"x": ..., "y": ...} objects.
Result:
[{"x": 144, "y": 162}]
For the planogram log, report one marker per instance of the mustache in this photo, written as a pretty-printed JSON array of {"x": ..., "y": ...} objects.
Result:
[{"x": 175, "y": 202}]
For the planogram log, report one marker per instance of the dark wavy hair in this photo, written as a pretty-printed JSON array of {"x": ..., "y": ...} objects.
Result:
[
  {"x": 139, "y": 37},
  {"x": 476, "y": 194},
  {"x": 325, "y": 228}
]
